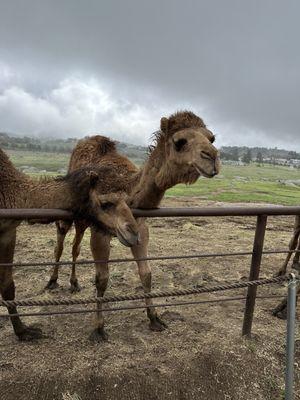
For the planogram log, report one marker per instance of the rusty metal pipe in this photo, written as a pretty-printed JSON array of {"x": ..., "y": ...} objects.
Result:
[{"x": 54, "y": 214}]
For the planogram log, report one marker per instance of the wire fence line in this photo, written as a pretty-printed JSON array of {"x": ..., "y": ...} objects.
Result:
[{"x": 153, "y": 258}]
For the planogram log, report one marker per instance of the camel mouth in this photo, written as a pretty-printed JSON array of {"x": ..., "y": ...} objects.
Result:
[
  {"x": 201, "y": 172},
  {"x": 128, "y": 240}
]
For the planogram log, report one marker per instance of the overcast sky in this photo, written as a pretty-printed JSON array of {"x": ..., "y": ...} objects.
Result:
[{"x": 74, "y": 67}]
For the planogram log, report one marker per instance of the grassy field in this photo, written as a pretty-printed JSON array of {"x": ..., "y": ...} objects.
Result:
[
  {"x": 266, "y": 184},
  {"x": 51, "y": 162},
  {"x": 263, "y": 184}
]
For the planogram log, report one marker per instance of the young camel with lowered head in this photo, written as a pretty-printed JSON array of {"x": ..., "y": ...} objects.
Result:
[
  {"x": 183, "y": 151},
  {"x": 79, "y": 192}
]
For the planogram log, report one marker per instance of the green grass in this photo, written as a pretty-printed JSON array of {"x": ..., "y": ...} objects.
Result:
[
  {"x": 246, "y": 184},
  {"x": 234, "y": 184},
  {"x": 50, "y": 162}
]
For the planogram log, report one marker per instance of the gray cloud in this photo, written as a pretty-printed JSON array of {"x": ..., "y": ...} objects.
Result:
[{"x": 236, "y": 63}]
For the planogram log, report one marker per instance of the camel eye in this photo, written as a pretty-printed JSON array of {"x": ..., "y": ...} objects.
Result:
[
  {"x": 179, "y": 145},
  {"x": 107, "y": 206}
]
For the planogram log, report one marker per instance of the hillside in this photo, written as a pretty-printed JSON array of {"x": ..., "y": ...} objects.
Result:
[{"x": 61, "y": 146}]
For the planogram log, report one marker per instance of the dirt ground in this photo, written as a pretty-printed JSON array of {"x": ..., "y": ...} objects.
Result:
[{"x": 200, "y": 356}]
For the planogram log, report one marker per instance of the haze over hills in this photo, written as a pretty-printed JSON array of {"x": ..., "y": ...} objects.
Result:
[
  {"x": 26, "y": 143},
  {"x": 135, "y": 152}
]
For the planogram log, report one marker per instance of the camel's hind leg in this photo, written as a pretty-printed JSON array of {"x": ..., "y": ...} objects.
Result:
[
  {"x": 80, "y": 228},
  {"x": 140, "y": 251},
  {"x": 62, "y": 228},
  {"x": 7, "y": 286},
  {"x": 100, "y": 246},
  {"x": 294, "y": 243},
  {"x": 296, "y": 263}
]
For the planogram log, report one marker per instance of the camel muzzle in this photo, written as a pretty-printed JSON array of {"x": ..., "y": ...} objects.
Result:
[{"x": 128, "y": 238}]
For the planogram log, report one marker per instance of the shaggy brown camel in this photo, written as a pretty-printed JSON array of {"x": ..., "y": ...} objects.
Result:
[
  {"x": 183, "y": 151},
  {"x": 79, "y": 192},
  {"x": 294, "y": 245},
  {"x": 280, "y": 310}
]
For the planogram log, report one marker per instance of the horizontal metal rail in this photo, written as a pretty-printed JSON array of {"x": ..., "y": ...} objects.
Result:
[
  {"x": 55, "y": 214},
  {"x": 153, "y": 258}
]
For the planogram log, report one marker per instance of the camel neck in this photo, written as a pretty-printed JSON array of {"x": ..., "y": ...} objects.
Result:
[
  {"x": 145, "y": 192},
  {"x": 48, "y": 194}
]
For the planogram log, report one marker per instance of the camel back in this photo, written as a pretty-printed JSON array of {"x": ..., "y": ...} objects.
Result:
[{"x": 90, "y": 150}]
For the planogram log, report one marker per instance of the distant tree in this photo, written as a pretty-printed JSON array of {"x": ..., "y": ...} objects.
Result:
[
  {"x": 247, "y": 157},
  {"x": 259, "y": 158},
  {"x": 235, "y": 154}
]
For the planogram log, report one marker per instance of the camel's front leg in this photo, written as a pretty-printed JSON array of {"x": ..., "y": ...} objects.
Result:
[
  {"x": 80, "y": 227},
  {"x": 7, "y": 286},
  {"x": 100, "y": 246},
  {"x": 141, "y": 251},
  {"x": 62, "y": 228}
]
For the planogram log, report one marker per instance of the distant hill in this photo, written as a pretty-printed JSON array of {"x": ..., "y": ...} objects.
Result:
[
  {"x": 136, "y": 153},
  {"x": 238, "y": 152},
  {"x": 26, "y": 143}
]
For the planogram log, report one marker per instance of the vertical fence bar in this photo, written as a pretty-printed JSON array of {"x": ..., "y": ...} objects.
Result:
[
  {"x": 254, "y": 272},
  {"x": 290, "y": 338}
]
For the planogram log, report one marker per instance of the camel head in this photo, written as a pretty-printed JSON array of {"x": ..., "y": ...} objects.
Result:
[
  {"x": 107, "y": 211},
  {"x": 187, "y": 150},
  {"x": 112, "y": 211}
]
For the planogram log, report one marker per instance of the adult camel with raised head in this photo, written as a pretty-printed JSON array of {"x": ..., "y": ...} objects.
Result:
[{"x": 182, "y": 151}]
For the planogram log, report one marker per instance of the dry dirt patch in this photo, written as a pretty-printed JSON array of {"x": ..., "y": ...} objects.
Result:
[{"x": 200, "y": 356}]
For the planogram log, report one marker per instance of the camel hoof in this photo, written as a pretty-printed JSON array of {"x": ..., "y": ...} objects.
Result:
[
  {"x": 157, "y": 325},
  {"x": 51, "y": 285},
  {"x": 279, "y": 273},
  {"x": 30, "y": 333},
  {"x": 98, "y": 335},
  {"x": 281, "y": 314},
  {"x": 296, "y": 265},
  {"x": 75, "y": 287}
]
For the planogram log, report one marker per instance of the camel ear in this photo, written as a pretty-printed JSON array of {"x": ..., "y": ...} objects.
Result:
[
  {"x": 93, "y": 177},
  {"x": 164, "y": 124}
]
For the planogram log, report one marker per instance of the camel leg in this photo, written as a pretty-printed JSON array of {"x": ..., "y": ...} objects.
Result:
[
  {"x": 7, "y": 286},
  {"x": 79, "y": 232},
  {"x": 140, "y": 251},
  {"x": 62, "y": 228},
  {"x": 100, "y": 246},
  {"x": 280, "y": 311},
  {"x": 292, "y": 246},
  {"x": 296, "y": 263}
]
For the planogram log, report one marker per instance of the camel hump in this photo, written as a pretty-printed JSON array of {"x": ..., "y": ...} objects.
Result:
[{"x": 104, "y": 144}]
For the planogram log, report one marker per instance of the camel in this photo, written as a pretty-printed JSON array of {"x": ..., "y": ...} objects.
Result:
[
  {"x": 293, "y": 246},
  {"x": 280, "y": 310},
  {"x": 182, "y": 151},
  {"x": 80, "y": 192}
]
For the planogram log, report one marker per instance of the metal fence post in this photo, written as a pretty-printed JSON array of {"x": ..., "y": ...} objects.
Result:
[
  {"x": 254, "y": 273},
  {"x": 290, "y": 338}
]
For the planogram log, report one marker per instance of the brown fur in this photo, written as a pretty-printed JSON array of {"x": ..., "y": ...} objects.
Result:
[
  {"x": 80, "y": 192},
  {"x": 182, "y": 151}
]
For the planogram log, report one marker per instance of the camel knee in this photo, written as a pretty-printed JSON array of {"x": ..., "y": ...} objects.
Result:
[
  {"x": 58, "y": 252},
  {"x": 75, "y": 252},
  {"x": 146, "y": 278},
  {"x": 101, "y": 283},
  {"x": 8, "y": 290}
]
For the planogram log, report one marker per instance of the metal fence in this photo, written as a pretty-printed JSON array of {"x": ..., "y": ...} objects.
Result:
[{"x": 257, "y": 252}]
